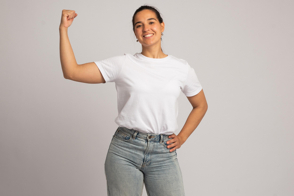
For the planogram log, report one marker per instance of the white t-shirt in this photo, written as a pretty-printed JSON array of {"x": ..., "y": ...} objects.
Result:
[{"x": 148, "y": 90}]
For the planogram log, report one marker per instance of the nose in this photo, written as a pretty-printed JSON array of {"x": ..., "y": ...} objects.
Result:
[{"x": 146, "y": 28}]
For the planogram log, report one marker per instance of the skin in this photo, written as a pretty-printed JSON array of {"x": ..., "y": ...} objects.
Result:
[{"x": 151, "y": 47}]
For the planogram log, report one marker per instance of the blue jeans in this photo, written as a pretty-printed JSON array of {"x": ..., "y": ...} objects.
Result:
[{"x": 135, "y": 158}]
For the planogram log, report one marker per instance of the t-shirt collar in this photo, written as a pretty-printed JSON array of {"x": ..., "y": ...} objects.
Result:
[{"x": 143, "y": 57}]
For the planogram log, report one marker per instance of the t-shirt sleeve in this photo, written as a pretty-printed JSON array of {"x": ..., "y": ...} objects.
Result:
[
  {"x": 110, "y": 68},
  {"x": 192, "y": 85}
]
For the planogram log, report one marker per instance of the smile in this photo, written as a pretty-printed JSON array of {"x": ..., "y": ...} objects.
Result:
[{"x": 148, "y": 36}]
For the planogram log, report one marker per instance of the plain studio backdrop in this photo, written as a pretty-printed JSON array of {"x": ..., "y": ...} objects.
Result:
[{"x": 55, "y": 133}]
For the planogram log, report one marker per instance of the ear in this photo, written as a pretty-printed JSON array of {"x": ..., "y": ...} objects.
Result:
[{"x": 162, "y": 26}]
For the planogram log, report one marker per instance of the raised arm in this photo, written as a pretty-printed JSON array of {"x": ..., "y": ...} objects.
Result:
[{"x": 88, "y": 72}]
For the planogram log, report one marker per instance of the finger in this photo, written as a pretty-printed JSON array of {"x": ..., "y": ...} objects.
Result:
[
  {"x": 171, "y": 141},
  {"x": 172, "y": 135},
  {"x": 172, "y": 145},
  {"x": 173, "y": 149},
  {"x": 70, "y": 14}
]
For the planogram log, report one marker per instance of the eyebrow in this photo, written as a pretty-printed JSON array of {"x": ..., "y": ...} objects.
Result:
[{"x": 147, "y": 19}]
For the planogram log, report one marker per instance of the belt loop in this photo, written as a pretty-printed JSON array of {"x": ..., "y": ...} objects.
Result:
[
  {"x": 161, "y": 138},
  {"x": 135, "y": 134}
]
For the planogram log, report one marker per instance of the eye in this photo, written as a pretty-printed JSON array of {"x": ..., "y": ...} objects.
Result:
[
  {"x": 151, "y": 22},
  {"x": 138, "y": 26}
]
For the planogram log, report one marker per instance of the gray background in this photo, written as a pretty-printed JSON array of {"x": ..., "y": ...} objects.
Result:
[{"x": 55, "y": 132}]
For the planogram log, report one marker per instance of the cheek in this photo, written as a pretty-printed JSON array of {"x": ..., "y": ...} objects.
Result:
[
  {"x": 137, "y": 32},
  {"x": 156, "y": 28}
]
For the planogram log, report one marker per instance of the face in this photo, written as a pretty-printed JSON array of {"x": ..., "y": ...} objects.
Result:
[{"x": 146, "y": 23}]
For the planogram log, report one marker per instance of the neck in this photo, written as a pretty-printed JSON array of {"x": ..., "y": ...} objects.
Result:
[{"x": 153, "y": 52}]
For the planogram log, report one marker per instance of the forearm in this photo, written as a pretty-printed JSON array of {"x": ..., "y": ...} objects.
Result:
[
  {"x": 192, "y": 122},
  {"x": 67, "y": 57}
]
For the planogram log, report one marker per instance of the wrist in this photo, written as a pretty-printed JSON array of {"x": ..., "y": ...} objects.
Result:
[
  {"x": 61, "y": 28},
  {"x": 182, "y": 138}
]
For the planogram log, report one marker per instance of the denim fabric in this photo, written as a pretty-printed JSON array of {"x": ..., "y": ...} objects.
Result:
[{"x": 135, "y": 158}]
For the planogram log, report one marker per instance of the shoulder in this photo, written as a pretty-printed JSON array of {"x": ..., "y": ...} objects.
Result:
[
  {"x": 180, "y": 61},
  {"x": 116, "y": 58}
]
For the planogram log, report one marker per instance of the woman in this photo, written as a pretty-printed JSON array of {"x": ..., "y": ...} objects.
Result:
[{"x": 143, "y": 148}]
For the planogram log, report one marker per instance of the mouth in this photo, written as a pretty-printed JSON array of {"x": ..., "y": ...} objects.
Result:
[{"x": 148, "y": 35}]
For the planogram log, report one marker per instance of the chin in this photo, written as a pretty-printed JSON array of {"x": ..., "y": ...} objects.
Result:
[{"x": 149, "y": 44}]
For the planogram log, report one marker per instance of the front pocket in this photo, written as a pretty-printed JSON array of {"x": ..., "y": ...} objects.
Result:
[
  {"x": 122, "y": 135},
  {"x": 164, "y": 144},
  {"x": 168, "y": 149}
]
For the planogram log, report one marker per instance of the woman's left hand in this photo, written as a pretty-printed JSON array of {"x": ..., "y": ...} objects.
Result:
[{"x": 175, "y": 142}]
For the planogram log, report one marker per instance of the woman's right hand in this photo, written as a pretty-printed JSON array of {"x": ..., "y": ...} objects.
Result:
[{"x": 67, "y": 18}]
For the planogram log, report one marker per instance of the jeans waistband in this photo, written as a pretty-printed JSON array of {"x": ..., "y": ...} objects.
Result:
[{"x": 148, "y": 136}]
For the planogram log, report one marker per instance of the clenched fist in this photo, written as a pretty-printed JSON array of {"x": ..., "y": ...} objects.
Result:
[{"x": 67, "y": 18}]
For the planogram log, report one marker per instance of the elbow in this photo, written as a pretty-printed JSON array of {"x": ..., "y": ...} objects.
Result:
[
  {"x": 203, "y": 107},
  {"x": 66, "y": 76},
  {"x": 206, "y": 105}
]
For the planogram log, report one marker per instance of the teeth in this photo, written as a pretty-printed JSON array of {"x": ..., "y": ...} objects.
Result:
[{"x": 148, "y": 35}]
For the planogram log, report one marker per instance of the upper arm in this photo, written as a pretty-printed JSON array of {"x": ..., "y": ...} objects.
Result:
[
  {"x": 87, "y": 73},
  {"x": 198, "y": 100}
]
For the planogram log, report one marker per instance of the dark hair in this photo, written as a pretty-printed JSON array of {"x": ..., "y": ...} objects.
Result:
[{"x": 143, "y": 7}]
